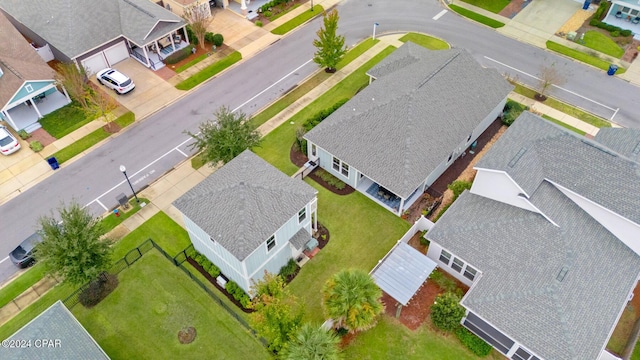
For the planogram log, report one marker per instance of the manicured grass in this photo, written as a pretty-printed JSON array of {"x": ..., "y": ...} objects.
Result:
[
  {"x": 111, "y": 221},
  {"x": 198, "y": 161},
  {"x": 601, "y": 42},
  {"x": 91, "y": 139},
  {"x": 266, "y": 114},
  {"x": 283, "y": 13},
  {"x": 427, "y": 41},
  {"x": 298, "y": 20},
  {"x": 636, "y": 352},
  {"x": 622, "y": 330},
  {"x": 476, "y": 17},
  {"x": 361, "y": 233},
  {"x": 21, "y": 283},
  {"x": 153, "y": 301},
  {"x": 565, "y": 108},
  {"x": 65, "y": 120},
  {"x": 564, "y": 125},
  {"x": 275, "y": 147},
  {"x": 580, "y": 56},
  {"x": 209, "y": 71},
  {"x": 495, "y": 6},
  {"x": 184, "y": 67},
  {"x": 389, "y": 339}
]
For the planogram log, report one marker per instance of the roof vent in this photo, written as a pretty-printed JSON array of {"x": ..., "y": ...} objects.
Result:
[
  {"x": 515, "y": 159},
  {"x": 637, "y": 149},
  {"x": 563, "y": 272}
]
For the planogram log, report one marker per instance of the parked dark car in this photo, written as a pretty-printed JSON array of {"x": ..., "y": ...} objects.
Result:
[{"x": 22, "y": 256}]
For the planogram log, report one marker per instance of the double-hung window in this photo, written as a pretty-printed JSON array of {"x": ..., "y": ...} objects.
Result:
[
  {"x": 340, "y": 166},
  {"x": 445, "y": 257},
  {"x": 271, "y": 242},
  {"x": 302, "y": 214}
]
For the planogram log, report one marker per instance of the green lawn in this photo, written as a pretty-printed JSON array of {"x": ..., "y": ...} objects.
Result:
[
  {"x": 65, "y": 120},
  {"x": 361, "y": 233},
  {"x": 111, "y": 221},
  {"x": 209, "y": 71},
  {"x": 184, "y": 67},
  {"x": 275, "y": 147},
  {"x": 291, "y": 97},
  {"x": 476, "y": 17},
  {"x": 601, "y": 42},
  {"x": 495, "y": 6},
  {"x": 565, "y": 108},
  {"x": 21, "y": 283},
  {"x": 389, "y": 339},
  {"x": 298, "y": 20},
  {"x": 580, "y": 56},
  {"x": 154, "y": 300},
  {"x": 91, "y": 139},
  {"x": 623, "y": 330},
  {"x": 427, "y": 41},
  {"x": 564, "y": 125},
  {"x": 636, "y": 352}
]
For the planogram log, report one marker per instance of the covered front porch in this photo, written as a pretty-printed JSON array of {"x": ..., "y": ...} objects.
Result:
[
  {"x": 152, "y": 55},
  {"x": 26, "y": 114},
  {"x": 385, "y": 197},
  {"x": 625, "y": 15}
]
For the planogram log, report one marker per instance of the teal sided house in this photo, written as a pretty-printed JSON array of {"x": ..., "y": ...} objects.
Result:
[
  {"x": 248, "y": 218},
  {"x": 624, "y": 14},
  {"x": 28, "y": 90}
]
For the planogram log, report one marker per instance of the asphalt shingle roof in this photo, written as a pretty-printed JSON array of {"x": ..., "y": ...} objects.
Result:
[
  {"x": 534, "y": 149},
  {"x": 74, "y": 26},
  {"x": 19, "y": 62},
  {"x": 399, "y": 128},
  {"x": 55, "y": 323},
  {"x": 244, "y": 202},
  {"x": 521, "y": 254},
  {"x": 622, "y": 140}
]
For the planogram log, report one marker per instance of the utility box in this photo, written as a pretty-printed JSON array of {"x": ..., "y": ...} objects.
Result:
[{"x": 123, "y": 201}]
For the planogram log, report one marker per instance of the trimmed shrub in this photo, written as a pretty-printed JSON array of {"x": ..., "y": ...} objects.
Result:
[
  {"x": 237, "y": 293},
  {"x": 446, "y": 311},
  {"x": 615, "y": 33},
  {"x": 217, "y": 39},
  {"x": 594, "y": 22},
  {"x": 259, "y": 23},
  {"x": 192, "y": 36},
  {"x": 36, "y": 146},
  {"x": 602, "y": 10},
  {"x": 444, "y": 282},
  {"x": 179, "y": 55},
  {"x": 458, "y": 187},
  {"x": 98, "y": 290},
  {"x": 511, "y": 111},
  {"x": 199, "y": 258},
  {"x": 330, "y": 179},
  {"x": 23, "y": 134},
  {"x": 214, "y": 271},
  {"x": 472, "y": 342},
  {"x": 267, "y": 14},
  {"x": 288, "y": 269},
  {"x": 311, "y": 122},
  {"x": 208, "y": 37},
  {"x": 423, "y": 239},
  {"x": 626, "y": 32},
  {"x": 191, "y": 252}
]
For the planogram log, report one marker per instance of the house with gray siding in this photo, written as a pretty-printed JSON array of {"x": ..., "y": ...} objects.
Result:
[
  {"x": 248, "y": 217},
  {"x": 547, "y": 240},
  {"x": 397, "y": 136},
  {"x": 102, "y": 33}
]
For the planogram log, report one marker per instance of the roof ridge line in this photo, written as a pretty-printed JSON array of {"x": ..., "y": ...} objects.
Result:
[{"x": 442, "y": 66}]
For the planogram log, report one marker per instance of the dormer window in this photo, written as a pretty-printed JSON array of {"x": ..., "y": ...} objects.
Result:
[{"x": 29, "y": 88}]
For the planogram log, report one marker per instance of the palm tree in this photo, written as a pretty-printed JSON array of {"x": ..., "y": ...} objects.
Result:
[
  {"x": 352, "y": 299},
  {"x": 313, "y": 343}
]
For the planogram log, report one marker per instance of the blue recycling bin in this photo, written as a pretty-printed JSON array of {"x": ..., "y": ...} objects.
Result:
[
  {"x": 612, "y": 70},
  {"x": 53, "y": 162},
  {"x": 586, "y": 4}
]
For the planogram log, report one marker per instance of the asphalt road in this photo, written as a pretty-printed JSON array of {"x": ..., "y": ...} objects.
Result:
[{"x": 152, "y": 147}]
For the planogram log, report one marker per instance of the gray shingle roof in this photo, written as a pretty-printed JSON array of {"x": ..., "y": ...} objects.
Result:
[
  {"x": 244, "y": 202},
  {"x": 74, "y": 26},
  {"x": 624, "y": 141},
  {"x": 520, "y": 255},
  {"x": 300, "y": 239},
  {"x": 19, "y": 62},
  {"x": 399, "y": 128},
  {"x": 54, "y": 323},
  {"x": 534, "y": 149}
]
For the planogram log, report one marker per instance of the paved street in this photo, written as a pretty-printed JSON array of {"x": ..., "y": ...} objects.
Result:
[{"x": 156, "y": 145}]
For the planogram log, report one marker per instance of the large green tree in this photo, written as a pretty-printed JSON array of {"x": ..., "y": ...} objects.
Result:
[
  {"x": 278, "y": 316},
  {"x": 225, "y": 137},
  {"x": 330, "y": 45},
  {"x": 73, "y": 248},
  {"x": 312, "y": 342},
  {"x": 352, "y": 299}
]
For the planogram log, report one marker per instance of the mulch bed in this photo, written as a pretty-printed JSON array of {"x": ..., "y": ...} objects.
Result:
[
  {"x": 186, "y": 336},
  {"x": 224, "y": 49},
  {"x": 414, "y": 242},
  {"x": 299, "y": 159},
  {"x": 322, "y": 242},
  {"x": 426, "y": 202},
  {"x": 419, "y": 308},
  {"x": 111, "y": 127},
  {"x": 213, "y": 281},
  {"x": 278, "y": 9}
]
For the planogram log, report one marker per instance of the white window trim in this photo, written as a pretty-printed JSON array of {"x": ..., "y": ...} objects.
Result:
[
  {"x": 274, "y": 243},
  {"x": 304, "y": 214},
  {"x": 340, "y": 167},
  {"x": 29, "y": 88}
]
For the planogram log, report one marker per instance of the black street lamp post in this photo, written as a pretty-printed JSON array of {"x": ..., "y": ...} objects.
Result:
[{"x": 124, "y": 171}]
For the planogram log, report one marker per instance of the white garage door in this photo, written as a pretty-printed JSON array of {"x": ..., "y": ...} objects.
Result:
[
  {"x": 116, "y": 53},
  {"x": 95, "y": 63}
]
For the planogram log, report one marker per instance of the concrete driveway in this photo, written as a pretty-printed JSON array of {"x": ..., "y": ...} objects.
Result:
[
  {"x": 151, "y": 94},
  {"x": 547, "y": 15}
]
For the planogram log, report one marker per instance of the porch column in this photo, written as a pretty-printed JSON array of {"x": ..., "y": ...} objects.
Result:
[
  {"x": 9, "y": 119},
  {"x": 66, "y": 94},
  {"x": 401, "y": 206},
  {"x": 243, "y": 7},
  {"x": 315, "y": 220},
  {"x": 186, "y": 38},
  {"x": 36, "y": 108},
  {"x": 146, "y": 56}
]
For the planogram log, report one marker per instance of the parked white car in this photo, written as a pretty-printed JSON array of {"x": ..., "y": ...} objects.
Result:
[
  {"x": 8, "y": 143},
  {"x": 115, "y": 80}
]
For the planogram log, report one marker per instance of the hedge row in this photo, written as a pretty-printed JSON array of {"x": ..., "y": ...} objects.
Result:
[
  {"x": 316, "y": 119},
  {"x": 330, "y": 179},
  {"x": 238, "y": 294},
  {"x": 271, "y": 4},
  {"x": 207, "y": 265},
  {"x": 179, "y": 55},
  {"x": 614, "y": 31}
]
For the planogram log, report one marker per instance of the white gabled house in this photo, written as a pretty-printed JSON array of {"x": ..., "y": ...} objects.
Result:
[
  {"x": 547, "y": 240},
  {"x": 248, "y": 217},
  {"x": 397, "y": 136}
]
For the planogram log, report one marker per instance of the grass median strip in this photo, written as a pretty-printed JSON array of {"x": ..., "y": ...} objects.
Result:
[
  {"x": 476, "y": 17},
  {"x": 298, "y": 20},
  {"x": 191, "y": 63},
  {"x": 495, "y": 6},
  {"x": 209, "y": 72},
  {"x": 427, "y": 41},
  {"x": 564, "y": 125},
  {"x": 91, "y": 139},
  {"x": 580, "y": 56}
]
